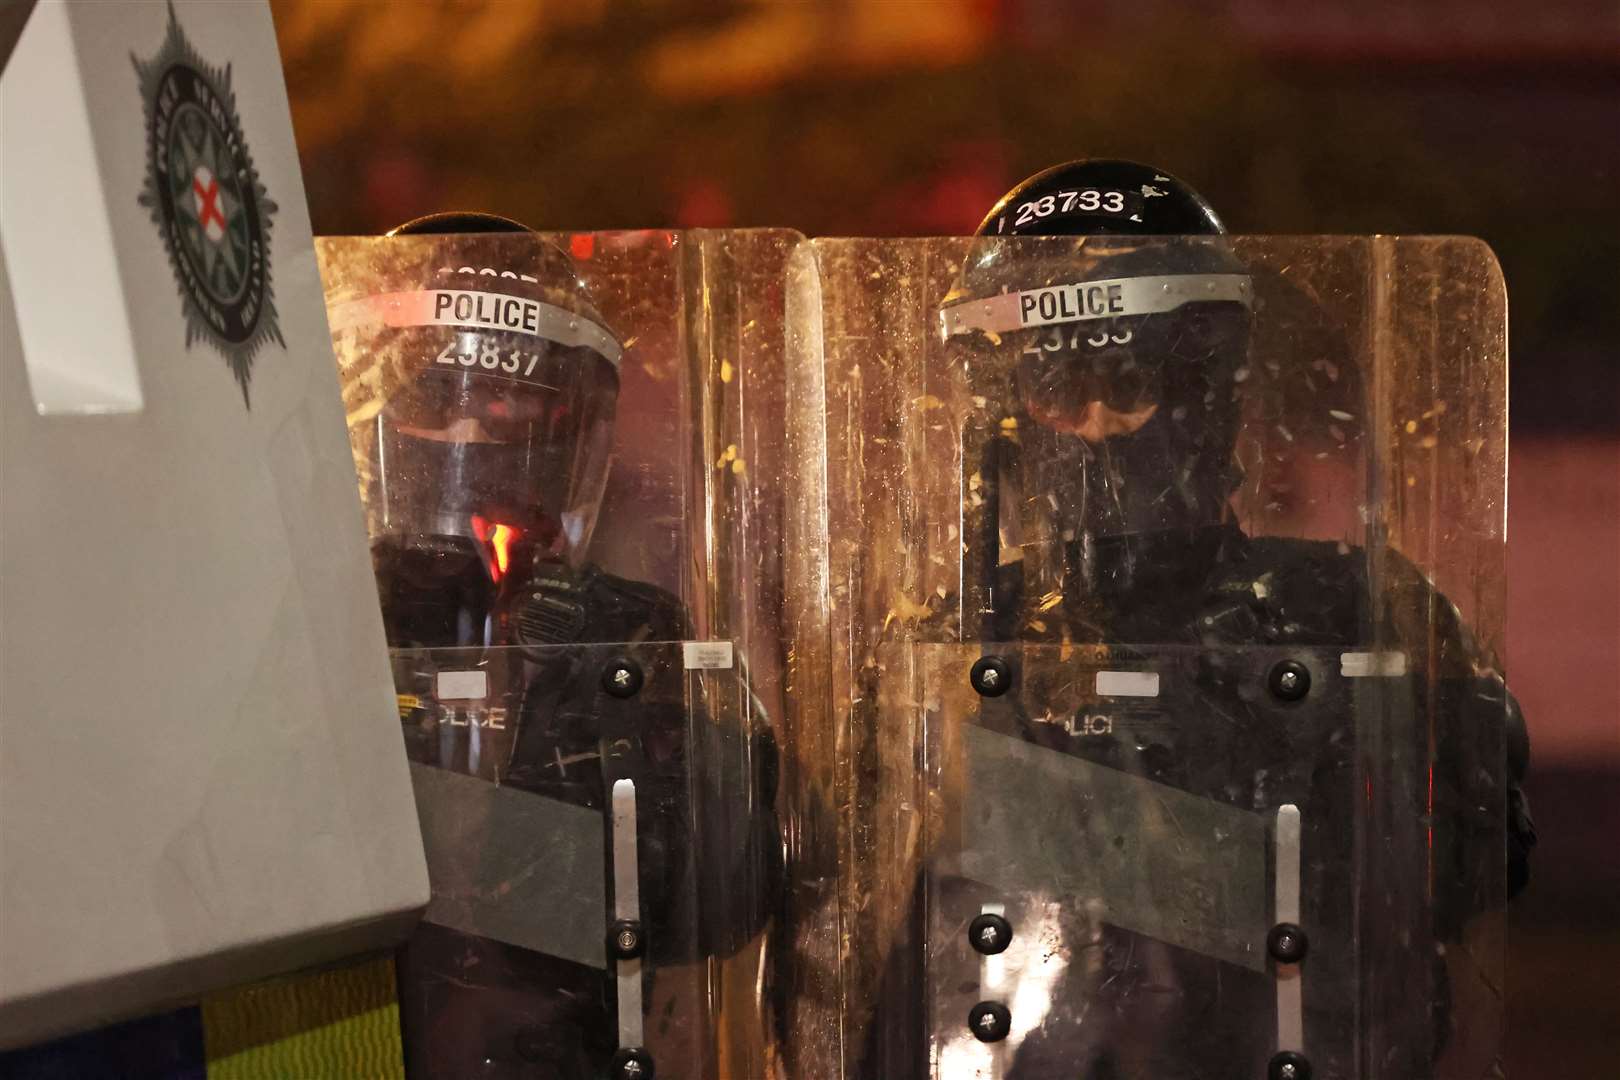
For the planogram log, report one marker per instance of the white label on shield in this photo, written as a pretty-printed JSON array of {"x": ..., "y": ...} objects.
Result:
[
  {"x": 462, "y": 685},
  {"x": 1361, "y": 665},
  {"x": 1128, "y": 683},
  {"x": 707, "y": 655}
]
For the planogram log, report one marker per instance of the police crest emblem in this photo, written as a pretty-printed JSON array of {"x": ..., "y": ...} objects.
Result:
[{"x": 207, "y": 202}]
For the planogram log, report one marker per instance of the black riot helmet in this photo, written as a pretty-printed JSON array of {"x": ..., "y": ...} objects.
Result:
[
  {"x": 481, "y": 386},
  {"x": 1117, "y": 351}
]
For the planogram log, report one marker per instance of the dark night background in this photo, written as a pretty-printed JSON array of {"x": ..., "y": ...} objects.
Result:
[{"x": 1488, "y": 118}]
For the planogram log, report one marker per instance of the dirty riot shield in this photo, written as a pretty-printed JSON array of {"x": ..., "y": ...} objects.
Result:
[
  {"x": 1174, "y": 733},
  {"x": 570, "y": 451},
  {"x": 595, "y": 835}
]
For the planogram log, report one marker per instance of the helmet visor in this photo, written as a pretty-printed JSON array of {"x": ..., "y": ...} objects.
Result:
[
  {"x": 1107, "y": 377},
  {"x": 481, "y": 388}
]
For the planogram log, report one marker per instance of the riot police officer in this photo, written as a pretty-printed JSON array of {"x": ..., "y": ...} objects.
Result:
[
  {"x": 481, "y": 383},
  {"x": 1103, "y": 518}
]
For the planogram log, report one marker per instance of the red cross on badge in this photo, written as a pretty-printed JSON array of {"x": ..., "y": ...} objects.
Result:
[{"x": 206, "y": 190}]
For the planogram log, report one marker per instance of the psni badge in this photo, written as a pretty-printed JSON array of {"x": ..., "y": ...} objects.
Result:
[{"x": 207, "y": 202}]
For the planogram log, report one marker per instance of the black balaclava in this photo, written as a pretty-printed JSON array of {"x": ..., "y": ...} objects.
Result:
[{"x": 1126, "y": 356}]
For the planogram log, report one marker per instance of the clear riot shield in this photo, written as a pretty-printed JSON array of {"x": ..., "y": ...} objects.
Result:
[
  {"x": 571, "y": 452},
  {"x": 1167, "y": 580},
  {"x": 589, "y": 824}
]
